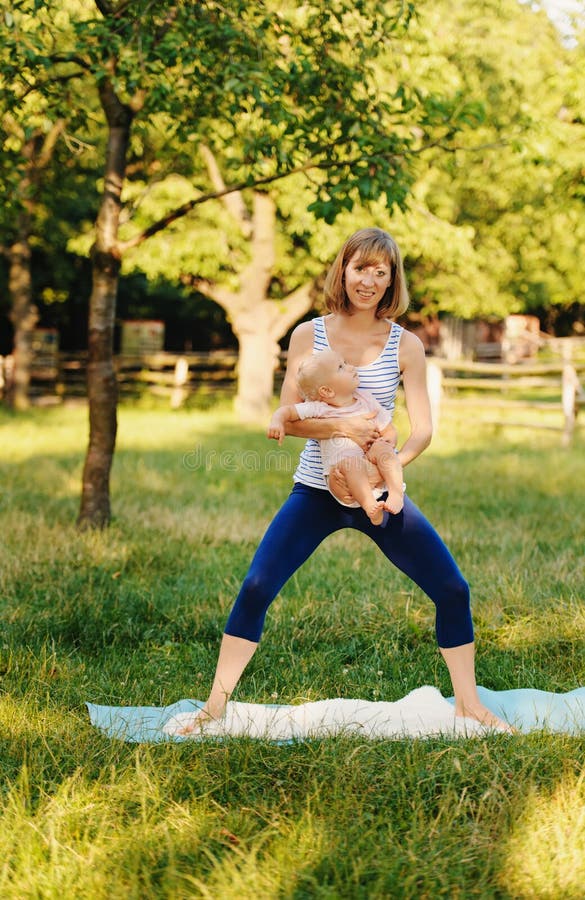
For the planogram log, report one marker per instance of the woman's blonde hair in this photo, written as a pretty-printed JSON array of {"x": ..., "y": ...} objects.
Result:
[{"x": 373, "y": 246}]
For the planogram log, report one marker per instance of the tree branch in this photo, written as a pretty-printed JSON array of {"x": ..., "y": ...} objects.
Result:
[
  {"x": 12, "y": 126},
  {"x": 222, "y": 296},
  {"x": 452, "y": 148},
  {"x": 312, "y": 165},
  {"x": 59, "y": 79},
  {"x": 70, "y": 58},
  {"x": 49, "y": 143},
  {"x": 122, "y": 7},
  {"x": 256, "y": 277},
  {"x": 291, "y": 309},
  {"x": 234, "y": 203},
  {"x": 186, "y": 208},
  {"x": 105, "y": 7},
  {"x": 167, "y": 23},
  {"x": 75, "y": 144}
]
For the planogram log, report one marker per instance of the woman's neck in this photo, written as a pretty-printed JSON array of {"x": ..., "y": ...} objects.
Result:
[
  {"x": 363, "y": 321},
  {"x": 359, "y": 338}
]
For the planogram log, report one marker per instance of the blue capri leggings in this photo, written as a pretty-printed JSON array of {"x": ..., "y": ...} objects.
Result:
[{"x": 408, "y": 540}]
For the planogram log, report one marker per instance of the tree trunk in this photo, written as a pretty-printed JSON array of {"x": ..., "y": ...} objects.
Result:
[
  {"x": 102, "y": 394},
  {"x": 24, "y": 316},
  {"x": 258, "y": 334},
  {"x": 257, "y": 362},
  {"x": 258, "y": 321},
  {"x": 37, "y": 151},
  {"x": 102, "y": 387}
]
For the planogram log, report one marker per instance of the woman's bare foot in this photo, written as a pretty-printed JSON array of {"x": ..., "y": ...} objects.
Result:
[
  {"x": 203, "y": 718},
  {"x": 486, "y": 717}
]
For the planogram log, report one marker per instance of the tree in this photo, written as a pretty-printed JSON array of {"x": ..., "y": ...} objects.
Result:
[
  {"x": 276, "y": 89},
  {"x": 242, "y": 272},
  {"x": 496, "y": 225},
  {"x": 37, "y": 149},
  {"x": 257, "y": 321},
  {"x": 34, "y": 150}
]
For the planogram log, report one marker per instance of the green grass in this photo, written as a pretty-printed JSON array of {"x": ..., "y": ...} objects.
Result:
[{"x": 134, "y": 615}]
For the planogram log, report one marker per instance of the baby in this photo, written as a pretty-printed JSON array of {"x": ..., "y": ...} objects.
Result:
[{"x": 329, "y": 386}]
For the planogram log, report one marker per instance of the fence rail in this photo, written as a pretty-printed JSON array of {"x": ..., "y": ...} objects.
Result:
[
  {"x": 449, "y": 381},
  {"x": 552, "y": 386},
  {"x": 173, "y": 375}
]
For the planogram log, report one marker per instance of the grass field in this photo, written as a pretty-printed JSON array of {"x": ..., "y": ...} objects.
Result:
[{"x": 134, "y": 616}]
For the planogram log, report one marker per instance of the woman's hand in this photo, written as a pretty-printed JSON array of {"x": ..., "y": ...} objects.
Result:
[{"x": 361, "y": 429}]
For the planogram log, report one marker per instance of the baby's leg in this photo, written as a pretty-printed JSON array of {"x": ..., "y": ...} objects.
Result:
[
  {"x": 338, "y": 486},
  {"x": 356, "y": 470},
  {"x": 382, "y": 455}
]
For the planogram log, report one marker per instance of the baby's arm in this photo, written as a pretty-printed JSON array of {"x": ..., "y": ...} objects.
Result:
[
  {"x": 361, "y": 429},
  {"x": 279, "y": 421}
]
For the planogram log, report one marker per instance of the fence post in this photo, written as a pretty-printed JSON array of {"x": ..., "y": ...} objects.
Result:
[
  {"x": 570, "y": 390},
  {"x": 6, "y": 375},
  {"x": 180, "y": 380},
  {"x": 435, "y": 389}
]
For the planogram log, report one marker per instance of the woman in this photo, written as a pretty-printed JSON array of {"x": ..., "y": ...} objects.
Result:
[{"x": 365, "y": 291}]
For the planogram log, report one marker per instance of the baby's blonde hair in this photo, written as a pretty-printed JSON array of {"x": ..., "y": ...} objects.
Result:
[{"x": 312, "y": 373}]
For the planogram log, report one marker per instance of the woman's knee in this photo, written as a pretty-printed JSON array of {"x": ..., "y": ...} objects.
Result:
[
  {"x": 247, "y": 616},
  {"x": 454, "y": 593},
  {"x": 257, "y": 592},
  {"x": 458, "y": 589},
  {"x": 454, "y": 624}
]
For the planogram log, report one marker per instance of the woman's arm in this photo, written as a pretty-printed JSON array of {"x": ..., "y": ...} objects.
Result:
[
  {"x": 418, "y": 407},
  {"x": 361, "y": 429},
  {"x": 301, "y": 345}
]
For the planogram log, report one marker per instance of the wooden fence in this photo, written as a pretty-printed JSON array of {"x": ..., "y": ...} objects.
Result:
[
  {"x": 175, "y": 376},
  {"x": 500, "y": 388},
  {"x": 554, "y": 386}
]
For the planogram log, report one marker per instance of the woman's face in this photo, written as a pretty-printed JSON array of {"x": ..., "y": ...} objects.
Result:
[{"x": 366, "y": 283}]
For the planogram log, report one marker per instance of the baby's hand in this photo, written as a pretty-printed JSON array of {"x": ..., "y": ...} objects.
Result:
[{"x": 276, "y": 431}]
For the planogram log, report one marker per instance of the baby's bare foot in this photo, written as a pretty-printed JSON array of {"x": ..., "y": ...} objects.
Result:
[
  {"x": 375, "y": 513},
  {"x": 394, "y": 501}
]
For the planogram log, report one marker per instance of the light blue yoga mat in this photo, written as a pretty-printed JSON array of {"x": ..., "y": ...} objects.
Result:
[
  {"x": 527, "y": 709},
  {"x": 139, "y": 724}
]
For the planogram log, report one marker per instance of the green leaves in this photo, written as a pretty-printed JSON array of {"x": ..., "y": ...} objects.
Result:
[
  {"x": 307, "y": 84},
  {"x": 472, "y": 114}
]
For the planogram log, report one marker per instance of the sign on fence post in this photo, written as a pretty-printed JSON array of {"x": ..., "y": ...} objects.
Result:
[{"x": 142, "y": 336}]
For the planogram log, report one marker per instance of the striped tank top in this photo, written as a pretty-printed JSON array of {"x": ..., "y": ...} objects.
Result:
[{"x": 381, "y": 377}]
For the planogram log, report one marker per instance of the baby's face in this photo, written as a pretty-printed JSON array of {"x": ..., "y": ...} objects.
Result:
[{"x": 339, "y": 375}]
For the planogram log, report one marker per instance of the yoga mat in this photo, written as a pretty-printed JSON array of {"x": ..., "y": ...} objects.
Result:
[{"x": 422, "y": 713}]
